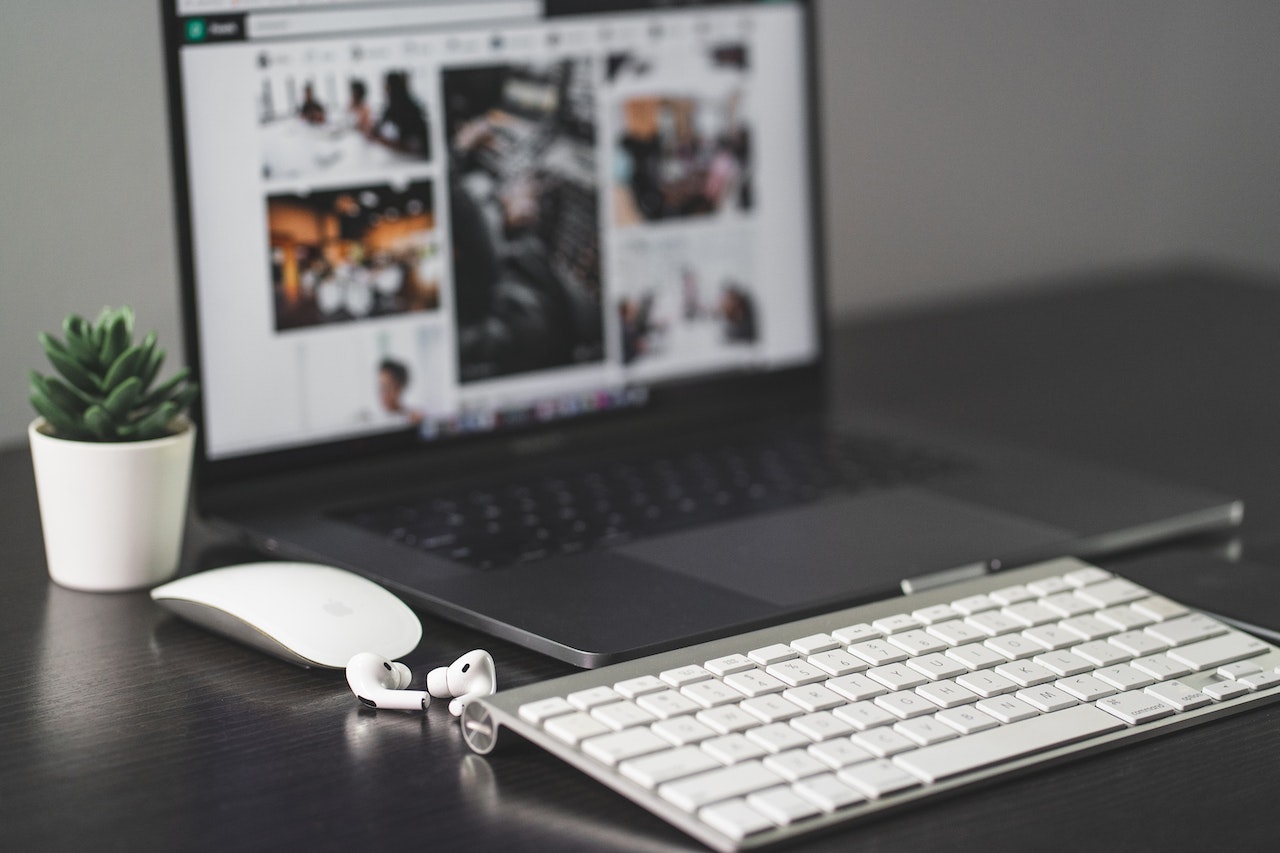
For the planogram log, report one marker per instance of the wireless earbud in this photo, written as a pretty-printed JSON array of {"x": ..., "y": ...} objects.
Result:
[
  {"x": 469, "y": 677},
  {"x": 380, "y": 683}
]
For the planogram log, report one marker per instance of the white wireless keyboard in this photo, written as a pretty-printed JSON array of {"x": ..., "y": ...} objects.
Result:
[{"x": 756, "y": 739}]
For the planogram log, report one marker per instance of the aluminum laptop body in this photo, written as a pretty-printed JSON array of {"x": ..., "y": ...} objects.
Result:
[{"x": 438, "y": 251}]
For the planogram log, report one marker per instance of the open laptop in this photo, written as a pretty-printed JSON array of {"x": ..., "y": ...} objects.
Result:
[{"x": 516, "y": 307}]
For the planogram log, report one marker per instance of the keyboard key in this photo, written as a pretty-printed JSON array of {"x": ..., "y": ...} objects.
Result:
[
  {"x": 796, "y": 672},
  {"x": 1260, "y": 680},
  {"x": 732, "y": 749},
  {"x": 925, "y": 730},
  {"x": 1086, "y": 576},
  {"x": 1051, "y": 586},
  {"x": 936, "y": 666},
  {"x": 821, "y": 725},
  {"x": 777, "y": 737},
  {"x": 1086, "y": 688},
  {"x": 839, "y": 753},
  {"x": 585, "y": 700},
  {"x": 1068, "y": 604},
  {"x": 838, "y": 662},
  {"x": 1179, "y": 695},
  {"x": 1012, "y": 595},
  {"x": 936, "y": 613},
  {"x": 1013, "y": 646},
  {"x": 882, "y": 742},
  {"x": 1224, "y": 690},
  {"x": 684, "y": 675},
  {"x": 851, "y": 634},
  {"x": 897, "y": 623},
  {"x": 896, "y": 676},
  {"x": 1063, "y": 663},
  {"x": 1139, "y": 643},
  {"x": 1101, "y": 653},
  {"x": 1029, "y": 614},
  {"x": 974, "y": 604},
  {"x": 771, "y": 708},
  {"x": 1159, "y": 608},
  {"x": 1046, "y": 698},
  {"x": 782, "y": 805},
  {"x": 652, "y": 770},
  {"x": 709, "y": 694},
  {"x": 1160, "y": 667},
  {"x": 754, "y": 683},
  {"x": 633, "y": 687},
  {"x": 729, "y": 663},
  {"x": 815, "y": 643},
  {"x": 1135, "y": 707},
  {"x": 682, "y": 731},
  {"x": 545, "y": 709},
  {"x": 905, "y": 704},
  {"x": 986, "y": 683},
  {"x": 856, "y": 687},
  {"x": 735, "y": 819},
  {"x": 827, "y": 792},
  {"x": 1007, "y": 709},
  {"x": 947, "y": 694},
  {"x": 878, "y": 652},
  {"x": 1237, "y": 670},
  {"x": 1123, "y": 677},
  {"x": 772, "y": 654},
  {"x": 727, "y": 719},
  {"x": 1087, "y": 627},
  {"x": 864, "y": 715},
  {"x": 1044, "y": 731},
  {"x": 622, "y": 715},
  {"x": 795, "y": 764},
  {"x": 1112, "y": 592},
  {"x": 1186, "y": 629},
  {"x": 993, "y": 623},
  {"x": 703, "y": 789},
  {"x": 976, "y": 656},
  {"x": 619, "y": 746},
  {"x": 917, "y": 642},
  {"x": 1124, "y": 617},
  {"x": 955, "y": 633},
  {"x": 573, "y": 728},
  {"x": 966, "y": 720},
  {"x": 667, "y": 704},
  {"x": 1025, "y": 673},
  {"x": 1051, "y": 637},
  {"x": 1209, "y": 654},
  {"x": 813, "y": 697},
  {"x": 875, "y": 779}
]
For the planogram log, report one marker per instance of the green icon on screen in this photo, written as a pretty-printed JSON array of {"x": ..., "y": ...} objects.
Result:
[{"x": 195, "y": 29}]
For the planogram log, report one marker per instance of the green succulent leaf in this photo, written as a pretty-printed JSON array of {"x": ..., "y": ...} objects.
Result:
[
  {"x": 58, "y": 393},
  {"x": 65, "y": 424},
  {"x": 124, "y": 398},
  {"x": 100, "y": 423},
  {"x": 151, "y": 361},
  {"x": 166, "y": 389},
  {"x": 66, "y": 364},
  {"x": 117, "y": 335},
  {"x": 153, "y": 425},
  {"x": 124, "y": 366},
  {"x": 79, "y": 342}
]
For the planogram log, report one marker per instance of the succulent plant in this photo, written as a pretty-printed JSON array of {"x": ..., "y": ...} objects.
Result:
[{"x": 104, "y": 388}]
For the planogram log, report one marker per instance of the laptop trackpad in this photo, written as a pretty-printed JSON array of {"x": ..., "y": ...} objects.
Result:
[{"x": 845, "y": 548}]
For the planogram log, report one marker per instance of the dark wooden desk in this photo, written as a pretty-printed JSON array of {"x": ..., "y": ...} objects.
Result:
[{"x": 122, "y": 728}]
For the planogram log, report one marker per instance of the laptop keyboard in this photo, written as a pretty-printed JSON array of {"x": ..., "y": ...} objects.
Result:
[
  {"x": 763, "y": 737},
  {"x": 495, "y": 524}
]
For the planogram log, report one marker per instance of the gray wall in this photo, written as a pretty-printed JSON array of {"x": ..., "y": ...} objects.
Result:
[{"x": 970, "y": 145}]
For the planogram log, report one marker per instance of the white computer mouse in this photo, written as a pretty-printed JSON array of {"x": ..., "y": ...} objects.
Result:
[{"x": 305, "y": 613}]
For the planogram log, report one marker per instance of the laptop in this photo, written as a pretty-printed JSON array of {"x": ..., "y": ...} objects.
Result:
[{"x": 516, "y": 307}]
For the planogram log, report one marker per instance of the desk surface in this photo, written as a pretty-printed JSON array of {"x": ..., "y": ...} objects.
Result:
[{"x": 123, "y": 728}]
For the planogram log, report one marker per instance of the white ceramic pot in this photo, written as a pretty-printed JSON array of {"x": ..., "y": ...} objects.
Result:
[{"x": 113, "y": 512}]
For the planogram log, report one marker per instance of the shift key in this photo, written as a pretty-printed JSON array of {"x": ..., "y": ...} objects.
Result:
[{"x": 1208, "y": 654}]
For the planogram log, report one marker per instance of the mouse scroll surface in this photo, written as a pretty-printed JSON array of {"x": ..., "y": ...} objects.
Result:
[{"x": 307, "y": 614}]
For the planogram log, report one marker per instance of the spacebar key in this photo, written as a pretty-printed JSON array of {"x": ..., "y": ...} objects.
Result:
[{"x": 1037, "y": 734}]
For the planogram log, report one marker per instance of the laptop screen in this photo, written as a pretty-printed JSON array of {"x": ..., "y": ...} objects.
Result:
[{"x": 440, "y": 218}]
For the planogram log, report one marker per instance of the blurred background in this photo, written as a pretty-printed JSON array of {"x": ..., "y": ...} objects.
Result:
[{"x": 971, "y": 147}]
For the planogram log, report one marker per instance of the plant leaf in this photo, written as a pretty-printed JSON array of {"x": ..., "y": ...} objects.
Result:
[
  {"x": 154, "y": 425},
  {"x": 122, "y": 368},
  {"x": 67, "y": 365},
  {"x": 100, "y": 423},
  {"x": 79, "y": 342},
  {"x": 64, "y": 424},
  {"x": 154, "y": 358},
  {"x": 122, "y": 400},
  {"x": 116, "y": 338},
  {"x": 166, "y": 389},
  {"x": 58, "y": 393}
]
